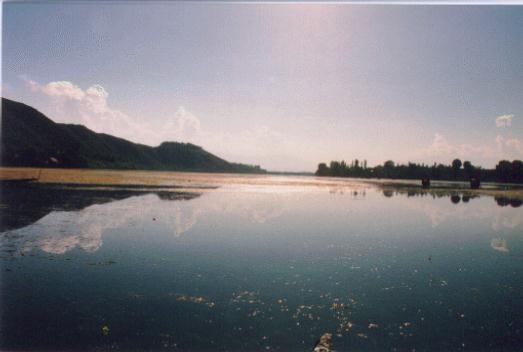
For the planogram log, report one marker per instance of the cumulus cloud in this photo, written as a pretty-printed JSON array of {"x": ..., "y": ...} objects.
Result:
[
  {"x": 442, "y": 147},
  {"x": 87, "y": 107},
  {"x": 500, "y": 148},
  {"x": 515, "y": 144},
  {"x": 58, "y": 89},
  {"x": 504, "y": 120},
  {"x": 183, "y": 126},
  {"x": 90, "y": 107}
]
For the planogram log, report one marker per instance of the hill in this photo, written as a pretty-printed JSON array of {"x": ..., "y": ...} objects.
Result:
[{"x": 29, "y": 138}]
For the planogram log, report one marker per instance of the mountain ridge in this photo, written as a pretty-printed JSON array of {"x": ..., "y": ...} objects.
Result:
[{"x": 29, "y": 138}]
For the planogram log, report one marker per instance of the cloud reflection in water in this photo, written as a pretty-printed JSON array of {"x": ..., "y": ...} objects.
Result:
[{"x": 61, "y": 231}]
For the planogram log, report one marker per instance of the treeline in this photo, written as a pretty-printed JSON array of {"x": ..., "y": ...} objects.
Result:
[{"x": 505, "y": 171}]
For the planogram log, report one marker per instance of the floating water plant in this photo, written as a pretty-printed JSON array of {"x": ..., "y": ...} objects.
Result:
[{"x": 105, "y": 330}]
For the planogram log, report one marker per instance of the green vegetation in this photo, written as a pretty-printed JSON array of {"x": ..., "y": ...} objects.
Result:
[
  {"x": 29, "y": 138},
  {"x": 505, "y": 171}
]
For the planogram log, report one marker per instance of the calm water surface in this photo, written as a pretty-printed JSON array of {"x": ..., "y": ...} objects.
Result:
[{"x": 251, "y": 268}]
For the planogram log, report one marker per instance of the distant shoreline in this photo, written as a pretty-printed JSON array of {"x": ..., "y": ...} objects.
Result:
[{"x": 209, "y": 181}]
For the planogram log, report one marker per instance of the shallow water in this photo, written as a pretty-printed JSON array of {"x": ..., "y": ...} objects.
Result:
[{"x": 260, "y": 267}]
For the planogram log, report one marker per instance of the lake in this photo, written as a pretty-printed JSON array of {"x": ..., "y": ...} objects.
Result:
[{"x": 261, "y": 266}]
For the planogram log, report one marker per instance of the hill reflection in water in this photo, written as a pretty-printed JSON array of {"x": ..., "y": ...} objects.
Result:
[
  {"x": 56, "y": 219},
  {"x": 246, "y": 267}
]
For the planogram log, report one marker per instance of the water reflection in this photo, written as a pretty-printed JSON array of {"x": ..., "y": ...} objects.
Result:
[
  {"x": 439, "y": 213},
  {"x": 263, "y": 268},
  {"x": 25, "y": 204},
  {"x": 63, "y": 220},
  {"x": 455, "y": 196},
  {"x": 57, "y": 220},
  {"x": 354, "y": 191},
  {"x": 388, "y": 193},
  {"x": 499, "y": 244},
  {"x": 505, "y": 201},
  {"x": 65, "y": 227}
]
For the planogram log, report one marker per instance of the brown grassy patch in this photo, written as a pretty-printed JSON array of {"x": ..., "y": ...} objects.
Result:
[{"x": 191, "y": 179}]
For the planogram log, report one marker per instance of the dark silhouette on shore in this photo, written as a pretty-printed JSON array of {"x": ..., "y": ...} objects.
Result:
[{"x": 505, "y": 171}]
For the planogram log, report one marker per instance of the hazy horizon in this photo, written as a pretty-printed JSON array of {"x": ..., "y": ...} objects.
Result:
[{"x": 285, "y": 86}]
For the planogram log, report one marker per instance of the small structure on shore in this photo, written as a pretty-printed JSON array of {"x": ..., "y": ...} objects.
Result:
[
  {"x": 425, "y": 182},
  {"x": 474, "y": 183}
]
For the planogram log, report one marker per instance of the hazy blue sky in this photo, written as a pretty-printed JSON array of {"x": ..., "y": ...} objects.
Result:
[{"x": 282, "y": 85}]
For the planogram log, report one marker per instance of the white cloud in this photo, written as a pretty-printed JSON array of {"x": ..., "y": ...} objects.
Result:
[
  {"x": 184, "y": 126},
  {"x": 504, "y": 120},
  {"x": 502, "y": 147},
  {"x": 58, "y": 89},
  {"x": 87, "y": 107},
  {"x": 442, "y": 147},
  {"x": 499, "y": 148},
  {"x": 96, "y": 98},
  {"x": 515, "y": 144},
  {"x": 90, "y": 108}
]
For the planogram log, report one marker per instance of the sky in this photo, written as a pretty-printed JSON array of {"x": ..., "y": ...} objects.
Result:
[{"x": 282, "y": 85}]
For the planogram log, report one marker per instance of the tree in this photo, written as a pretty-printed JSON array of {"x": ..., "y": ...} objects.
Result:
[
  {"x": 503, "y": 170},
  {"x": 517, "y": 170},
  {"x": 388, "y": 168},
  {"x": 468, "y": 169},
  {"x": 456, "y": 166},
  {"x": 335, "y": 168},
  {"x": 323, "y": 170},
  {"x": 389, "y": 164}
]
